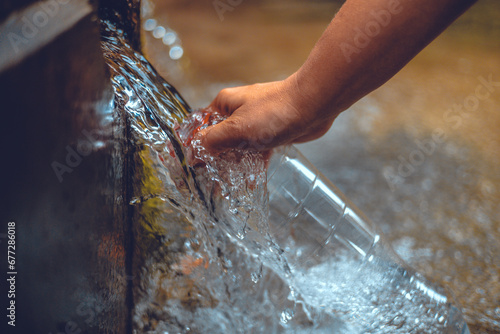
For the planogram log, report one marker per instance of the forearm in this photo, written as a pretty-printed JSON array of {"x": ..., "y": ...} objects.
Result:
[{"x": 367, "y": 42}]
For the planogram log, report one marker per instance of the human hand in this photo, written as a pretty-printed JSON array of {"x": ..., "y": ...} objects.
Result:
[
  {"x": 338, "y": 72},
  {"x": 263, "y": 116}
]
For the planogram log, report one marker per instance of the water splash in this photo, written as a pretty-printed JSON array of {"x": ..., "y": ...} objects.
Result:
[
  {"x": 206, "y": 258},
  {"x": 192, "y": 273}
]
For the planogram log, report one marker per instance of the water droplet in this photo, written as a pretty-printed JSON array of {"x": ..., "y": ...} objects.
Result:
[
  {"x": 176, "y": 52},
  {"x": 169, "y": 38},
  {"x": 256, "y": 276},
  {"x": 286, "y": 316},
  {"x": 159, "y": 32},
  {"x": 149, "y": 24}
]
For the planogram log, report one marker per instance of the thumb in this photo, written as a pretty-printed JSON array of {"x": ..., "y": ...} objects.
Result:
[{"x": 224, "y": 135}]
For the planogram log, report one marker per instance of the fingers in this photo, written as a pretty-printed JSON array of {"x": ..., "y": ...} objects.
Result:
[
  {"x": 227, "y": 134},
  {"x": 255, "y": 132},
  {"x": 228, "y": 100},
  {"x": 261, "y": 117}
]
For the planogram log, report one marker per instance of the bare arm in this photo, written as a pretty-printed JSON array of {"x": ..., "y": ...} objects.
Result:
[{"x": 367, "y": 42}]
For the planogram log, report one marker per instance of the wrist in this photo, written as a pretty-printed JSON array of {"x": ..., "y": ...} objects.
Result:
[{"x": 317, "y": 99}]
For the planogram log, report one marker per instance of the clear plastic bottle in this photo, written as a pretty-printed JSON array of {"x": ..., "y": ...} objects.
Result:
[{"x": 339, "y": 260}]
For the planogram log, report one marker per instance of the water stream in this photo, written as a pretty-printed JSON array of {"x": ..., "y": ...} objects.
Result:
[{"x": 208, "y": 257}]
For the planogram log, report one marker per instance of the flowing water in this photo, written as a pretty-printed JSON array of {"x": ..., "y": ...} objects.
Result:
[
  {"x": 212, "y": 255},
  {"x": 441, "y": 217}
]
